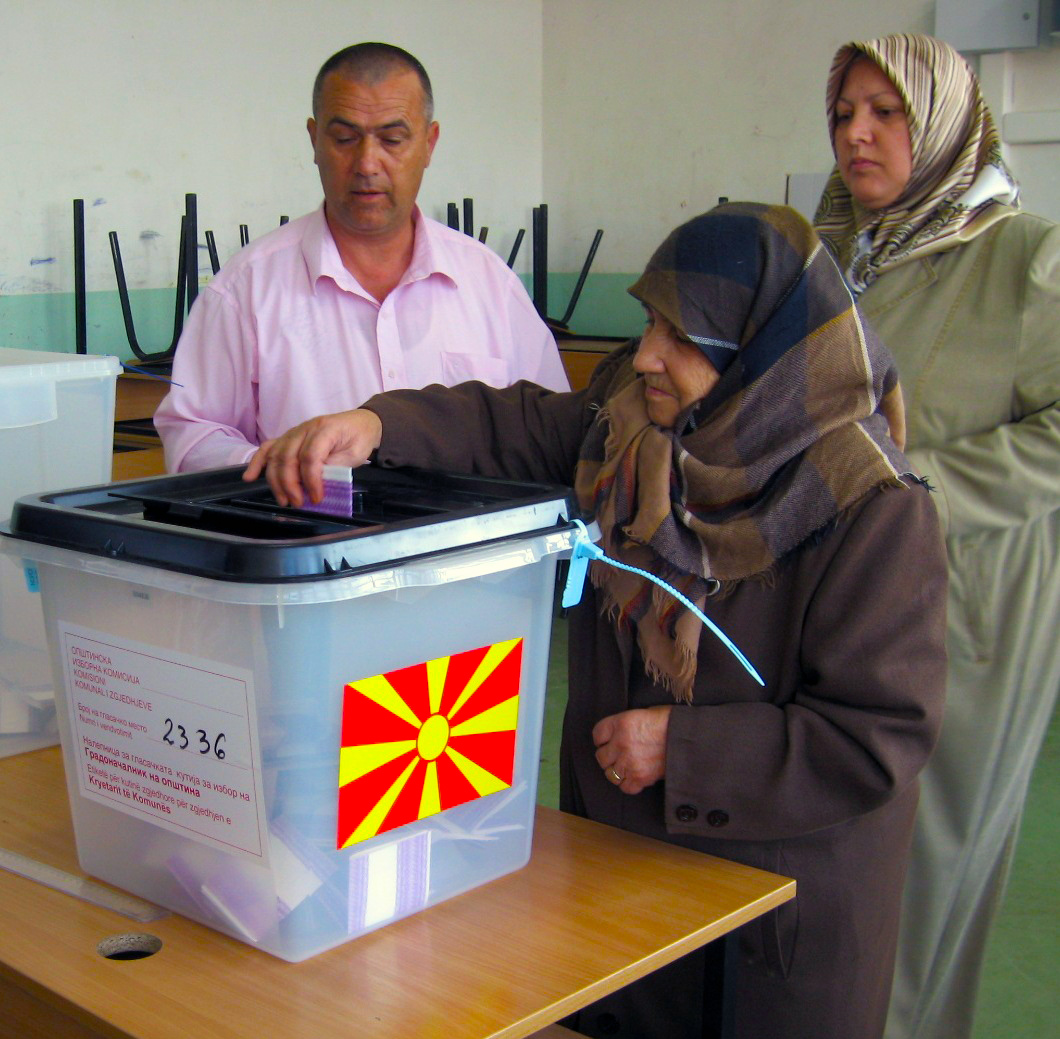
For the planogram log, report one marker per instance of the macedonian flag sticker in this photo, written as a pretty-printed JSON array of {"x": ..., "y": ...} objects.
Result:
[{"x": 426, "y": 738}]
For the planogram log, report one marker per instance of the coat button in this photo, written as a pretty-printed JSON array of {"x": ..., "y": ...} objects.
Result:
[
  {"x": 686, "y": 813},
  {"x": 717, "y": 818}
]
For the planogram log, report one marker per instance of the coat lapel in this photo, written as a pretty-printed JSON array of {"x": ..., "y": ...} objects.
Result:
[{"x": 897, "y": 287}]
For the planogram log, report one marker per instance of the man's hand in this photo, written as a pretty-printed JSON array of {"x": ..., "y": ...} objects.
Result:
[
  {"x": 631, "y": 746},
  {"x": 293, "y": 463}
]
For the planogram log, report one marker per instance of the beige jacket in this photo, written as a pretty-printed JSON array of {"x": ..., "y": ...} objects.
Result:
[
  {"x": 976, "y": 335},
  {"x": 975, "y": 331}
]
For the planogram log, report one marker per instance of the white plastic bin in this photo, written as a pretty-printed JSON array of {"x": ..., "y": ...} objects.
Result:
[
  {"x": 56, "y": 430},
  {"x": 296, "y": 760}
]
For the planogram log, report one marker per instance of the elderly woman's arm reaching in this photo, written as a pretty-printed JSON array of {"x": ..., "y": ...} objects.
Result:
[
  {"x": 293, "y": 463},
  {"x": 520, "y": 432}
]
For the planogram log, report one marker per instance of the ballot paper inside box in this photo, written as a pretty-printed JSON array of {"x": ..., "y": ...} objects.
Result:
[{"x": 299, "y": 759}]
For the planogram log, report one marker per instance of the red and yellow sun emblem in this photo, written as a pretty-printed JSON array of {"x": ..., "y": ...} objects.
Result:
[{"x": 426, "y": 738}]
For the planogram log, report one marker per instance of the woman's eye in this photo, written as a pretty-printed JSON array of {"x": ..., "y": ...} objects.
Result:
[{"x": 842, "y": 117}]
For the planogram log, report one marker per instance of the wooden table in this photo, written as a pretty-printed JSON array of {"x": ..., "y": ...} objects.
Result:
[
  {"x": 137, "y": 456},
  {"x": 136, "y": 396},
  {"x": 595, "y": 908},
  {"x": 138, "y": 463},
  {"x": 581, "y": 356}
]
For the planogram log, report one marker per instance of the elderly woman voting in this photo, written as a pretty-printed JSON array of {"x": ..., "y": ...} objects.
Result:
[
  {"x": 964, "y": 289},
  {"x": 741, "y": 452}
]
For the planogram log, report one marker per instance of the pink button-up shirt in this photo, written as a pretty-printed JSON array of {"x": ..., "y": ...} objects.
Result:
[{"x": 284, "y": 333}]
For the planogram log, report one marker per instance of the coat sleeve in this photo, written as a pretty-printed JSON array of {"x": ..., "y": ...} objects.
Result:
[
  {"x": 522, "y": 432},
  {"x": 857, "y": 716},
  {"x": 1008, "y": 476}
]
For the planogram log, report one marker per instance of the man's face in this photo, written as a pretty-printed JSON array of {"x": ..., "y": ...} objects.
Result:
[{"x": 371, "y": 144}]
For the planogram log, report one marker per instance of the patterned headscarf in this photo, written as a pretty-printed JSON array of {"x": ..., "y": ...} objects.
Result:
[
  {"x": 793, "y": 434},
  {"x": 958, "y": 174}
]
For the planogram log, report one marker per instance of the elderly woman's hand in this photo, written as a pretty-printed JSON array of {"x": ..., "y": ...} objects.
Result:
[
  {"x": 296, "y": 460},
  {"x": 631, "y": 747}
]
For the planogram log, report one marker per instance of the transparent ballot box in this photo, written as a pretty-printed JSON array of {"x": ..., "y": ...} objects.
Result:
[
  {"x": 56, "y": 430},
  {"x": 290, "y": 726}
]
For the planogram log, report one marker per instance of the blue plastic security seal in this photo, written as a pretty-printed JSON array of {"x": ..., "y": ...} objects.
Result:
[{"x": 583, "y": 549}]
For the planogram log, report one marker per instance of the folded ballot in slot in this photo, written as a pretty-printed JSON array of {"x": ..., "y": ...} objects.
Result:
[{"x": 292, "y": 726}]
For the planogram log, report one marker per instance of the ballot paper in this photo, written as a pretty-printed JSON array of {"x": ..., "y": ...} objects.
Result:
[{"x": 338, "y": 492}]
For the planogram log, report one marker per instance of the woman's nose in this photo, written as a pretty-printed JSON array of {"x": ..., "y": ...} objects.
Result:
[
  {"x": 648, "y": 357},
  {"x": 857, "y": 127}
]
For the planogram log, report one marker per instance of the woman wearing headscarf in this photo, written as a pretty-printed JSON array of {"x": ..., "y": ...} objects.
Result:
[
  {"x": 740, "y": 450},
  {"x": 963, "y": 288}
]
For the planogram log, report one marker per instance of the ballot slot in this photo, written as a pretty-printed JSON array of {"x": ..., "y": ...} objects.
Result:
[
  {"x": 254, "y": 512},
  {"x": 217, "y": 525}
]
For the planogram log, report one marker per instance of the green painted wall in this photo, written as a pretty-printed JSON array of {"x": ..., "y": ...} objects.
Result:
[
  {"x": 45, "y": 321},
  {"x": 604, "y": 307}
]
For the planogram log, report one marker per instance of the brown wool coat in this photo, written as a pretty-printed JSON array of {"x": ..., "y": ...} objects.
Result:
[{"x": 813, "y": 776}]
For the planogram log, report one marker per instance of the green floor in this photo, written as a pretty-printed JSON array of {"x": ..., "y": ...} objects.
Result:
[{"x": 1020, "y": 995}]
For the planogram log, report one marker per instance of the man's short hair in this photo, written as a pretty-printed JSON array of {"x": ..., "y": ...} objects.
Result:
[{"x": 371, "y": 63}]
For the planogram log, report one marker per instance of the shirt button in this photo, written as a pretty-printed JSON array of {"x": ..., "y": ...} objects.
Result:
[
  {"x": 717, "y": 818},
  {"x": 686, "y": 813}
]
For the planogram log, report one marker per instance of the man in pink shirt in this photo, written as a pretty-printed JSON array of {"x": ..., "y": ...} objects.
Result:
[{"x": 364, "y": 294}]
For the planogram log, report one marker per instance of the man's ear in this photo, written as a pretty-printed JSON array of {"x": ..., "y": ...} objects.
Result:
[
  {"x": 311, "y": 128},
  {"x": 432, "y": 140}
]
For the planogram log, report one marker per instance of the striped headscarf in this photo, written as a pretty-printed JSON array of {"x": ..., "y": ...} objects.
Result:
[
  {"x": 793, "y": 434},
  {"x": 958, "y": 175}
]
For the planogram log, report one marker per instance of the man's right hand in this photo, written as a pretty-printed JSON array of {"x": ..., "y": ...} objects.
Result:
[{"x": 293, "y": 463}]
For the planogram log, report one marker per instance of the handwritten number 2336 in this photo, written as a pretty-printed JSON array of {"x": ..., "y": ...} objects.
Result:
[{"x": 204, "y": 745}]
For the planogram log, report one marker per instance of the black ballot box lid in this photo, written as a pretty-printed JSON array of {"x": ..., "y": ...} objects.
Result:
[{"x": 213, "y": 524}]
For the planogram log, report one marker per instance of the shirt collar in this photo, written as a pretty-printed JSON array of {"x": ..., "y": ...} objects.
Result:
[
  {"x": 429, "y": 253},
  {"x": 320, "y": 251}
]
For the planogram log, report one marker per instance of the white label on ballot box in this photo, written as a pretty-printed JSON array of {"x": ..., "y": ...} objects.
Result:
[{"x": 167, "y": 737}]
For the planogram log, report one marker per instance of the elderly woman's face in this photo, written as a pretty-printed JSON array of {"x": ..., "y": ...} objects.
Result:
[
  {"x": 676, "y": 372},
  {"x": 871, "y": 140}
]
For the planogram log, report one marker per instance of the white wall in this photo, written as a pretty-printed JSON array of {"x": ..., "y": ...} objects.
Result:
[
  {"x": 129, "y": 104},
  {"x": 621, "y": 114},
  {"x": 1022, "y": 89},
  {"x": 654, "y": 110}
]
